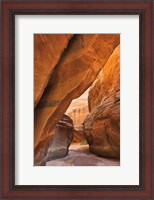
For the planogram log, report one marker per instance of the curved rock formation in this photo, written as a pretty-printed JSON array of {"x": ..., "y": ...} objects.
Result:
[
  {"x": 60, "y": 141},
  {"x": 78, "y": 110},
  {"x": 102, "y": 128},
  {"x": 47, "y": 51},
  {"x": 102, "y": 125},
  {"x": 79, "y": 66},
  {"x": 107, "y": 81}
]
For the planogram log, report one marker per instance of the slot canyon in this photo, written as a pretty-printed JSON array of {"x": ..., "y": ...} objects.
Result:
[{"x": 76, "y": 99}]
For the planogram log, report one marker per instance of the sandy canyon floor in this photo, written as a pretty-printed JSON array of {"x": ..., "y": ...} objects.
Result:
[{"x": 81, "y": 156}]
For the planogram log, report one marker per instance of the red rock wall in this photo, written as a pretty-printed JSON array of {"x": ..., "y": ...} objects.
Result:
[
  {"x": 107, "y": 80},
  {"x": 102, "y": 125},
  {"x": 77, "y": 69},
  {"x": 48, "y": 49}
]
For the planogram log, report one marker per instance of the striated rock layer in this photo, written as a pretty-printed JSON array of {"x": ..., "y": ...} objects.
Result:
[
  {"x": 60, "y": 141},
  {"x": 79, "y": 66},
  {"x": 78, "y": 110},
  {"x": 102, "y": 128},
  {"x": 47, "y": 51},
  {"x": 102, "y": 125},
  {"x": 107, "y": 81}
]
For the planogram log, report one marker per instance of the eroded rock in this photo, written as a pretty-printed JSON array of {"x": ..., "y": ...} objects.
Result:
[
  {"x": 85, "y": 56},
  {"x": 102, "y": 128},
  {"x": 107, "y": 81},
  {"x": 102, "y": 125},
  {"x": 58, "y": 146},
  {"x": 48, "y": 48}
]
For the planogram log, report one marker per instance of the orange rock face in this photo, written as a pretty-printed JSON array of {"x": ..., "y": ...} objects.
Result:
[
  {"x": 83, "y": 59},
  {"x": 102, "y": 125},
  {"x": 78, "y": 110},
  {"x": 107, "y": 81},
  {"x": 47, "y": 51}
]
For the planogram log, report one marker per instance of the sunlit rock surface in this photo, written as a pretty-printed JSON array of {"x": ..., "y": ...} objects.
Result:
[
  {"x": 59, "y": 143},
  {"x": 102, "y": 125},
  {"x": 48, "y": 49},
  {"x": 78, "y": 110},
  {"x": 81, "y": 63}
]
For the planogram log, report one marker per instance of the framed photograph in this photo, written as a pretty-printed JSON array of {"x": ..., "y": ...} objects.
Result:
[{"x": 77, "y": 82}]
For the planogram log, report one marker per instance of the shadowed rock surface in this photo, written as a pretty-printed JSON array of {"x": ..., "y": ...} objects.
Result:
[
  {"x": 61, "y": 139},
  {"x": 102, "y": 125},
  {"x": 48, "y": 49},
  {"x": 79, "y": 66},
  {"x": 78, "y": 134}
]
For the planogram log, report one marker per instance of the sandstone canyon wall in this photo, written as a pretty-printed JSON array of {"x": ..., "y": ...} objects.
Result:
[
  {"x": 78, "y": 67},
  {"x": 48, "y": 49},
  {"x": 78, "y": 110},
  {"x": 102, "y": 125}
]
